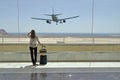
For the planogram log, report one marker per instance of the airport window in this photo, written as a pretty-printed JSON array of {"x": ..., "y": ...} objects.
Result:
[{"x": 74, "y": 26}]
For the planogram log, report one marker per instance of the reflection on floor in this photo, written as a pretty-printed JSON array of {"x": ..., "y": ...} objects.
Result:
[{"x": 60, "y": 76}]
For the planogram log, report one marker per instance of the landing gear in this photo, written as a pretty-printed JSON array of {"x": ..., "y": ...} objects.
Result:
[{"x": 48, "y": 21}]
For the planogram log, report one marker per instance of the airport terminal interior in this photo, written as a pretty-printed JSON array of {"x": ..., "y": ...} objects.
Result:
[{"x": 90, "y": 52}]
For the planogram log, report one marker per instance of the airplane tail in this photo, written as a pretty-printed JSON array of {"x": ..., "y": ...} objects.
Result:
[
  {"x": 52, "y": 13},
  {"x": 48, "y": 14},
  {"x": 57, "y": 14}
]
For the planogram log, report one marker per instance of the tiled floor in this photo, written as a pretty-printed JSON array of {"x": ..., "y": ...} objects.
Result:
[{"x": 60, "y": 76}]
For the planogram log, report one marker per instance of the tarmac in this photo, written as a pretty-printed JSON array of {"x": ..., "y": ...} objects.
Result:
[{"x": 62, "y": 56}]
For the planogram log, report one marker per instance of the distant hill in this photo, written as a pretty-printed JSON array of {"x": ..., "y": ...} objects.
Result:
[{"x": 3, "y": 32}]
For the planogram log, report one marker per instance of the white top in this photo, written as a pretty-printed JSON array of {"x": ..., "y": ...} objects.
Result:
[{"x": 34, "y": 42}]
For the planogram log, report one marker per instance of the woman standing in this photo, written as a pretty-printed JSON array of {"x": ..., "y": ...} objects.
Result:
[{"x": 33, "y": 46}]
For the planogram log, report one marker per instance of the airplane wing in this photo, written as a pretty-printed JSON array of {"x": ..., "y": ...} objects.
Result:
[
  {"x": 41, "y": 19},
  {"x": 69, "y": 18}
]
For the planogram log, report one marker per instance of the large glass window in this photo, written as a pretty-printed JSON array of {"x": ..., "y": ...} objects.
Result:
[{"x": 96, "y": 29}]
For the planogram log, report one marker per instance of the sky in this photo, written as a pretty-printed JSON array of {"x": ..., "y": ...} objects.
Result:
[{"x": 106, "y": 16}]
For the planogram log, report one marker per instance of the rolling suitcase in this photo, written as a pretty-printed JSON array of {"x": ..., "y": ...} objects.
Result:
[
  {"x": 43, "y": 56},
  {"x": 43, "y": 59}
]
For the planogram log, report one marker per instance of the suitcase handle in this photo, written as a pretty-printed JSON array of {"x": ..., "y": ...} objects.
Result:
[{"x": 43, "y": 49}]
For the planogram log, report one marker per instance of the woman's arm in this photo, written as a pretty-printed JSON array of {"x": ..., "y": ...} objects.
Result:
[{"x": 38, "y": 41}]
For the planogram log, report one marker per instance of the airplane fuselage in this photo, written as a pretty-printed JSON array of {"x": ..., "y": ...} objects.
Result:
[{"x": 54, "y": 18}]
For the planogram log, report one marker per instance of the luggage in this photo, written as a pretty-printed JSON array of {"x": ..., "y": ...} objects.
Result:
[
  {"x": 43, "y": 59},
  {"x": 43, "y": 56}
]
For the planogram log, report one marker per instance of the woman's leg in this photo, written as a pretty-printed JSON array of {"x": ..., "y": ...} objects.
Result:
[
  {"x": 35, "y": 53},
  {"x": 32, "y": 57}
]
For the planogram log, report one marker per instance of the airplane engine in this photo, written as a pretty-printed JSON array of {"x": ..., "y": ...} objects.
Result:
[
  {"x": 47, "y": 21},
  {"x": 64, "y": 21}
]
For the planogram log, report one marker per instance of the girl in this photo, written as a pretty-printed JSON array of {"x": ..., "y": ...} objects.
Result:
[{"x": 33, "y": 46}]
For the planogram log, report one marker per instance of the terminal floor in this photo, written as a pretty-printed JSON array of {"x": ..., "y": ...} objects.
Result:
[{"x": 60, "y": 71}]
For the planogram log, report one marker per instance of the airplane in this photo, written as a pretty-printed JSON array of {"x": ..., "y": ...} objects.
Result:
[{"x": 54, "y": 18}]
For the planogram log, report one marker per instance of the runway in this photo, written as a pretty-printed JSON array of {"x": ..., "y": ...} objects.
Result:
[{"x": 62, "y": 40}]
